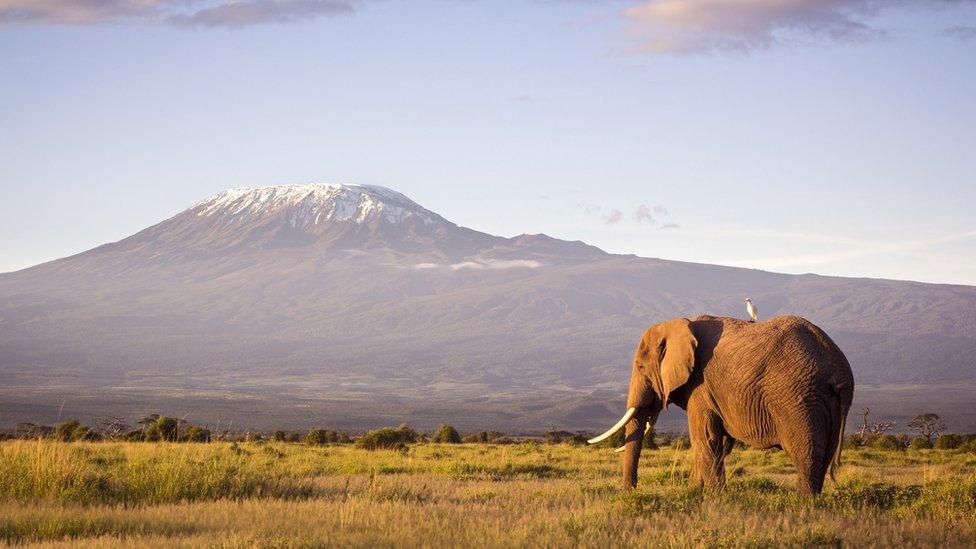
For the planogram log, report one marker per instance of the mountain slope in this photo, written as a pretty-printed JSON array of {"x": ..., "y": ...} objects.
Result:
[{"x": 356, "y": 292}]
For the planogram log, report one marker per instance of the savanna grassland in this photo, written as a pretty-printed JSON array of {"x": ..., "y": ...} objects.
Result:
[{"x": 276, "y": 494}]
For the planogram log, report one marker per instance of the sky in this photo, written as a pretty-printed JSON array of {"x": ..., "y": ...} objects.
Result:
[{"x": 828, "y": 136}]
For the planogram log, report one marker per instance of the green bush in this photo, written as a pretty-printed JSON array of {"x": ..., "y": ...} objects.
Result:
[
  {"x": 134, "y": 435},
  {"x": 948, "y": 441},
  {"x": 557, "y": 437},
  {"x": 920, "y": 443},
  {"x": 486, "y": 437},
  {"x": 578, "y": 439},
  {"x": 72, "y": 430},
  {"x": 886, "y": 442},
  {"x": 388, "y": 438},
  {"x": 196, "y": 433},
  {"x": 164, "y": 428},
  {"x": 561, "y": 437},
  {"x": 853, "y": 441},
  {"x": 446, "y": 435},
  {"x": 321, "y": 436},
  {"x": 951, "y": 441}
]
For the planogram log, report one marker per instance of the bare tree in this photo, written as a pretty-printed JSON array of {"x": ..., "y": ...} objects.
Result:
[
  {"x": 928, "y": 425},
  {"x": 113, "y": 427},
  {"x": 879, "y": 428},
  {"x": 864, "y": 423},
  {"x": 874, "y": 428}
]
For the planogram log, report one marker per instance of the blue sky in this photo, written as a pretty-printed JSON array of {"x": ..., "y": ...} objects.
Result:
[{"x": 836, "y": 136}]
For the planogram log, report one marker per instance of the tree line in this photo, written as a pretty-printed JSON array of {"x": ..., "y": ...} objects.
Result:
[{"x": 929, "y": 431}]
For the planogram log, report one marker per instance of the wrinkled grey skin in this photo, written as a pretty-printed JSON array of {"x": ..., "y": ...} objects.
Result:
[{"x": 779, "y": 383}]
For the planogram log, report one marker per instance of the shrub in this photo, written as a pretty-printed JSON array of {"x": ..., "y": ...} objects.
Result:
[
  {"x": 321, "y": 436},
  {"x": 446, "y": 435},
  {"x": 948, "y": 441},
  {"x": 920, "y": 443},
  {"x": 196, "y": 433},
  {"x": 853, "y": 441},
  {"x": 559, "y": 437},
  {"x": 279, "y": 436},
  {"x": 556, "y": 437},
  {"x": 32, "y": 430},
  {"x": 485, "y": 437},
  {"x": 72, "y": 430},
  {"x": 163, "y": 428},
  {"x": 135, "y": 435},
  {"x": 886, "y": 442},
  {"x": 578, "y": 439},
  {"x": 388, "y": 438}
]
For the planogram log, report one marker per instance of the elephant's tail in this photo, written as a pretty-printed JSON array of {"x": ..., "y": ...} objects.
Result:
[{"x": 845, "y": 406}]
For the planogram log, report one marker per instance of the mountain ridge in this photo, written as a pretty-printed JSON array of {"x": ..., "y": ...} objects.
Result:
[{"x": 360, "y": 308}]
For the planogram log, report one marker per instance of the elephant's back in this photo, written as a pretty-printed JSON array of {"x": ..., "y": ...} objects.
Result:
[
  {"x": 811, "y": 356},
  {"x": 783, "y": 350}
]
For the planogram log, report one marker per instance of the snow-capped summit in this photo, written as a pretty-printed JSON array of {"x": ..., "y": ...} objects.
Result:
[
  {"x": 314, "y": 204},
  {"x": 318, "y": 217}
]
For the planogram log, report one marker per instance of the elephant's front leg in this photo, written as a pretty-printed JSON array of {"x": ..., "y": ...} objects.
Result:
[{"x": 709, "y": 445}]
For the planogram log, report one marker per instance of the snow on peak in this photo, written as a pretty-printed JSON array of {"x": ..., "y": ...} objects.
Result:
[{"x": 312, "y": 204}]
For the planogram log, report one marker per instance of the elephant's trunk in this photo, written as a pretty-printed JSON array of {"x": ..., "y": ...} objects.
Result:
[{"x": 634, "y": 441}]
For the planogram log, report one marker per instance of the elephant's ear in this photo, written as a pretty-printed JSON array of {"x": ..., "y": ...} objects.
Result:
[{"x": 678, "y": 347}]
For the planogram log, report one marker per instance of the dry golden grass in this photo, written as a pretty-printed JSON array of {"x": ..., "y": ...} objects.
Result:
[{"x": 291, "y": 495}]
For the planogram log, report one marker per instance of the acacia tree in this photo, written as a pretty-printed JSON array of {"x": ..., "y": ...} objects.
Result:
[{"x": 928, "y": 425}]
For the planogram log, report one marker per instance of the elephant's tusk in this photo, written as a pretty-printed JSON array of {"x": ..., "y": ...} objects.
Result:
[
  {"x": 623, "y": 421},
  {"x": 646, "y": 429}
]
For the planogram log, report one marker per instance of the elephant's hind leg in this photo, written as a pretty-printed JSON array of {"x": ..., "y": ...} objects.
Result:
[
  {"x": 807, "y": 443},
  {"x": 710, "y": 444}
]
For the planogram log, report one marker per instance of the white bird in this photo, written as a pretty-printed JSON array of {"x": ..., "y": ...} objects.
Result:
[{"x": 752, "y": 310}]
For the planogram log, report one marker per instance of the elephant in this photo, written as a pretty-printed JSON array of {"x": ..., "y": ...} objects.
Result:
[{"x": 782, "y": 383}]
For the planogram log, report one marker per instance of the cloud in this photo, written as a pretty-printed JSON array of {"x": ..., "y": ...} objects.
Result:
[
  {"x": 862, "y": 250},
  {"x": 613, "y": 217},
  {"x": 643, "y": 213},
  {"x": 961, "y": 32},
  {"x": 707, "y": 26},
  {"x": 255, "y": 12},
  {"x": 184, "y": 13},
  {"x": 487, "y": 264},
  {"x": 75, "y": 12},
  {"x": 668, "y": 226}
]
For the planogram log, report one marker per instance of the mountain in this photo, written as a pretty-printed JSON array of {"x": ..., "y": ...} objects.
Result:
[{"x": 352, "y": 305}]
